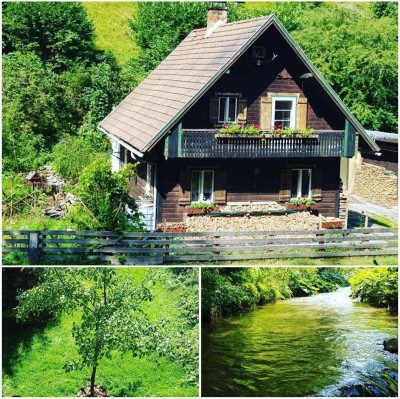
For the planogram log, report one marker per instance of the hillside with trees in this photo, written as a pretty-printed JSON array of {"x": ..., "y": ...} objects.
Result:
[{"x": 63, "y": 72}]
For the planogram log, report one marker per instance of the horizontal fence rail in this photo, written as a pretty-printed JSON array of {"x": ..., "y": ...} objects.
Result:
[
  {"x": 158, "y": 248},
  {"x": 208, "y": 143}
]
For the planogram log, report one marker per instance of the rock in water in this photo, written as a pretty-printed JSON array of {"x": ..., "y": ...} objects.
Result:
[{"x": 391, "y": 345}]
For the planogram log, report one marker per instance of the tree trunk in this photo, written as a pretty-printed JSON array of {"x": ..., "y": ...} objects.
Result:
[{"x": 92, "y": 379}]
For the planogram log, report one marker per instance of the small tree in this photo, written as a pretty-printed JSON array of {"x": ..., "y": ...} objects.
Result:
[{"x": 111, "y": 307}]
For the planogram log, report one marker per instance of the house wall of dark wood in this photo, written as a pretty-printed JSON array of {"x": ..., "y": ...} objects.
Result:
[
  {"x": 244, "y": 184},
  {"x": 282, "y": 75}
]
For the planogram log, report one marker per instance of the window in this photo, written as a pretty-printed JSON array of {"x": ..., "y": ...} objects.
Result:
[
  {"x": 283, "y": 112},
  {"x": 202, "y": 185},
  {"x": 227, "y": 109},
  {"x": 301, "y": 183}
]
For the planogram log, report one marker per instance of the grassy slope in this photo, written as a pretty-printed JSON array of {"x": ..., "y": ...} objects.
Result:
[
  {"x": 39, "y": 370},
  {"x": 112, "y": 29}
]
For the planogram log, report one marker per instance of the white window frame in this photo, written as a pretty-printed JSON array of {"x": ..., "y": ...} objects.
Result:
[
  {"x": 201, "y": 186},
  {"x": 226, "y": 110},
  {"x": 293, "y": 99},
  {"x": 300, "y": 184}
]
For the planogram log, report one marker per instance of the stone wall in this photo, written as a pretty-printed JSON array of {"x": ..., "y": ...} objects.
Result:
[{"x": 375, "y": 184}]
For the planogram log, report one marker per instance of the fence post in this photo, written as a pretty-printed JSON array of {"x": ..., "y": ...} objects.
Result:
[
  {"x": 33, "y": 246},
  {"x": 216, "y": 237}
]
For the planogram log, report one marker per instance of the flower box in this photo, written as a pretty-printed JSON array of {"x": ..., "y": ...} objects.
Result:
[
  {"x": 301, "y": 207},
  {"x": 199, "y": 211},
  {"x": 284, "y": 136},
  {"x": 239, "y": 136},
  {"x": 332, "y": 224}
]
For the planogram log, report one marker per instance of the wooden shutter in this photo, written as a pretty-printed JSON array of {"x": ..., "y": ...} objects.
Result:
[
  {"x": 242, "y": 110},
  {"x": 185, "y": 184},
  {"x": 301, "y": 113},
  {"x": 220, "y": 187},
  {"x": 266, "y": 113},
  {"x": 213, "y": 111},
  {"x": 286, "y": 178},
  {"x": 316, "y": 184}
]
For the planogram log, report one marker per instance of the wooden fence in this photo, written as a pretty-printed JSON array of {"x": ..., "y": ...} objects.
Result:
[{"x": 158, "y": 248}]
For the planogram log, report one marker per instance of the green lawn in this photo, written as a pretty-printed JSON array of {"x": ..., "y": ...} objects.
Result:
[
  {"x": 112, "y": 29},
  {"x": 34, "y": 366}
]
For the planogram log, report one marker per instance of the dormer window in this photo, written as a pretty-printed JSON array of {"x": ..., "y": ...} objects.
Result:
[
  {"x": 227, "y": 109},
  {"x": 283, "y": 112}
]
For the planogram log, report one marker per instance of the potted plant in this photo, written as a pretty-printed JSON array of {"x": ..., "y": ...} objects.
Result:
[
  {"x": 285, "y": 132},
  {"x": 201, "y": 207},
  {"x": 301, "y": 204},
  {"x": 240, "y": 130}
]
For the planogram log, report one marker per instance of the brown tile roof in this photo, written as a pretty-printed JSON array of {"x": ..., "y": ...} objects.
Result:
[
  {"x": 182, "y": 78},
  {"x": 176, "y": 82}
]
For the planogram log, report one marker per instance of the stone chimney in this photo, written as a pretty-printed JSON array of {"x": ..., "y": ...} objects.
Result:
[{"x": 215, "y": 14}]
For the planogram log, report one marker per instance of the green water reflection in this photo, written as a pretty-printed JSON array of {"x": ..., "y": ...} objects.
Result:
[{"x": 295, "y": 347}]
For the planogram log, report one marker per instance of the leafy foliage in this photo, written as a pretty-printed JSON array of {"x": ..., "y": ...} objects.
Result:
[
  {"x": 377, "y": 286},
  {"x": 55, "y": 82},
  {"x": 183, "y": 330},
  {"x": 57, "y": 33},
  {"x": 229, "y": 290},
  {"x": 111, "y": 309},
  {"x": 72, "y": 155},
  {"x": 104, "y": 200}
]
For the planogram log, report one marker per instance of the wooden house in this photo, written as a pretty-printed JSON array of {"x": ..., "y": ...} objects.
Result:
[{"x": 249, "y": 73}]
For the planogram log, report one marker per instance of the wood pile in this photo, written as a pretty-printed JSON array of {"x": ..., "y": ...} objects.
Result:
[
  {"x": 374, "y": 184},
  {"x": 293, "y": 221}
]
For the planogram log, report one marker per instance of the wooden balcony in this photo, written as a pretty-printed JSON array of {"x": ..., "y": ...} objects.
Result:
[{"x": 206, "y": 143}]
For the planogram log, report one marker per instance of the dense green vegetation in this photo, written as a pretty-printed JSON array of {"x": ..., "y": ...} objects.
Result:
[
  {"x": 377, "y": 286},
  {"x": 228, "y": 290},
  {"x": 35, "y": 352}
]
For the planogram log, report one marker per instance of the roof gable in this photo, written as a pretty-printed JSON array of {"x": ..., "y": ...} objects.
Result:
[{"x": 158, "y": 103}]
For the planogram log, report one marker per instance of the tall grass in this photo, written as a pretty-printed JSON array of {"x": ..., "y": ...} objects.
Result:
[{"x": 112, "y": 29}]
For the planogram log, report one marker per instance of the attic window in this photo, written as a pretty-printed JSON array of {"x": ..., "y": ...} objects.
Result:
[{"x": 227, "y": 109}]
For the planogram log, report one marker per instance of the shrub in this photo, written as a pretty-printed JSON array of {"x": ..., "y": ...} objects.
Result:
[
  {"x": 377, "y": 286},
  {"x": 104, "y": 202}
]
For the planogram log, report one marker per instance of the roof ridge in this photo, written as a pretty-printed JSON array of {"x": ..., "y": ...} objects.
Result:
[{"x": 236, "y": 22}]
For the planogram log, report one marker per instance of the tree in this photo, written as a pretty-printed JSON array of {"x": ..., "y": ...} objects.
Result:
[
  {"x": 55, "y": 83},
  {"x": 111, "y": 308},
  {"x": 357, "y": 54},
  {"x": 34, "y": 110},
  {"x": 104, "y": 200},
  {"x": 57, "y": 33}
]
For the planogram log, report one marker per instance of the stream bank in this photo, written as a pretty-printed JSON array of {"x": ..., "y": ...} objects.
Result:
[{"x": 323, "y": 345}]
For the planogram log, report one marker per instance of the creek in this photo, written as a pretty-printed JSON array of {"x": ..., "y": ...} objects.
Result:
[{"x": 309, "y": 346}]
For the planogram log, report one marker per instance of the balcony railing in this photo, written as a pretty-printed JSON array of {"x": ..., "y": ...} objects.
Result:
[{"x": 206, "y": 143}]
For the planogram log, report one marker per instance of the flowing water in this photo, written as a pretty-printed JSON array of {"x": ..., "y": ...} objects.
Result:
[{"x": 297, "y": 347}]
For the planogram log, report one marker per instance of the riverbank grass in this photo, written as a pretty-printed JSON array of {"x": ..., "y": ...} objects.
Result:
[{"x": 33, "y": 364}]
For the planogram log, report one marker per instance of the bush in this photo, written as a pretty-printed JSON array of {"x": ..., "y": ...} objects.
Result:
[
  {"x": 72, "y": 155},
  {"x": 104, "y": 201},
  {"x": 377, "y": 286}
]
